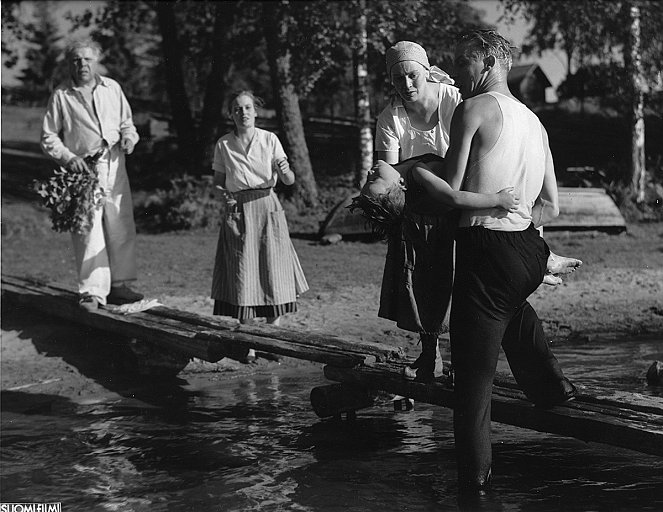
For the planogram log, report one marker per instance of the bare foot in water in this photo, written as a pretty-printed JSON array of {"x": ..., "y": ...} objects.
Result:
[{"x": 561, "y": 265}]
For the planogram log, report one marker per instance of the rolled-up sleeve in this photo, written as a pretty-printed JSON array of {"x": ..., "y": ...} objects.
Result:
[
  {"x": 127, "y": 127},
  {"x": 386, "y": 138},
  {"x": 218, "y": 163},
  {"x": 51, "y": 130},
  {"x": 279, "y": 153}
]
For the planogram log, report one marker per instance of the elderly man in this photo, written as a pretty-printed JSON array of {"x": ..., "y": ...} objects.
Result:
[
  {"x": 495, "y": 142},
  {"x": 86, "y": 114}
]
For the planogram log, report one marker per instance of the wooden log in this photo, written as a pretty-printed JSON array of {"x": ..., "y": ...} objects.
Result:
[
  {"x": 334, "y": 399},
  {"x": 587, "y": 417},
  {"x": 198, "y": 336},
  {"x": 180, "y": 340},
  {"x": 183, "y": 337},
  {"x": 235, "y": 342},
  {"x": 382, "y": 352}
]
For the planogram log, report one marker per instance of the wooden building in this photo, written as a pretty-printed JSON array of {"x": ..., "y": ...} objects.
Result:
[{"x": 528, "y": 83}]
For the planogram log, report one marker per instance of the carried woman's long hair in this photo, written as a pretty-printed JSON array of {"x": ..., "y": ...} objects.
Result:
[{"x": 383, "y": 212}]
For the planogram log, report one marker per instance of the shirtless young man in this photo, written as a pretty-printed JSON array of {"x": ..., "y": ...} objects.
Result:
[{"x": 495, "y": 142}]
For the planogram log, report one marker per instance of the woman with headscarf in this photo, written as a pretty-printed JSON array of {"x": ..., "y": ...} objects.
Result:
[{"x": 418, "y": 273}]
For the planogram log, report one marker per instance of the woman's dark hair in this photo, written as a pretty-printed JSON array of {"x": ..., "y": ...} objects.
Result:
[{"x": 383, "y": 211}]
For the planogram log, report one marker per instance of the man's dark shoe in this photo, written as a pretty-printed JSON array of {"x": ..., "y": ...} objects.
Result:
[
  {"x": 88, "y": 302},
  {"x": 561, "y": 392},
  {"x": 123, "y": 295}
]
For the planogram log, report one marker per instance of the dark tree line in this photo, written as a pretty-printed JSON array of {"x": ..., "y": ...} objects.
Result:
[
  {"x": 313, "y": 57},
  {"x": 300, "y": 56}
]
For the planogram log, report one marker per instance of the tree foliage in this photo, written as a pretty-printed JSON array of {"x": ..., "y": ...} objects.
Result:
[
  {"x": 593, "y": 35},
  {"x": 42, "y": 71},
  {"x": 128, "y": 33},
  {"x": 187, "y": 56},
  {"x": 13, "y": 31}
]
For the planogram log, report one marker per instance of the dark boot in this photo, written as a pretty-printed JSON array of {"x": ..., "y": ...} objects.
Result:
[{"x": 428, "y": 366}]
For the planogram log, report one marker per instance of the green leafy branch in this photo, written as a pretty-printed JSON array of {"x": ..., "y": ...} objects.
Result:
[{"x": 73, "y": 197}]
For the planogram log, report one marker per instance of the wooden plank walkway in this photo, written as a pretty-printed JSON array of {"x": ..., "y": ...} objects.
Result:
[
  {"x": 627, "y": 420},
  {"x": 583, "y": 208},
  {"x": 201, "y": 336}
]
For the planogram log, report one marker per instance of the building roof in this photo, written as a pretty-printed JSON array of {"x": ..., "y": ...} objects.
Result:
[{"x": 518, "y": 74}]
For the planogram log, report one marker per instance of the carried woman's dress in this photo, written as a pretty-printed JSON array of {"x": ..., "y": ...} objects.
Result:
[
  {"x": 418, "y": 272},
  {"x": 256, "y": 272}
]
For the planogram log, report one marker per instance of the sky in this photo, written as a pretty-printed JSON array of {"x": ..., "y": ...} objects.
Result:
[{"x": 550, "y": 62}]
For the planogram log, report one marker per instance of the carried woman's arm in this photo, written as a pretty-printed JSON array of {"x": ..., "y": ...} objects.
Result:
[{"x": 441, "y": 191}]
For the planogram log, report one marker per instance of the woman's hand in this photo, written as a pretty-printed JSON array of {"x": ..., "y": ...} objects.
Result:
[
  {"x": 285, "y": 173},
  {"x": 226, "y": 197},
  {"x": 507, "y": 199}
]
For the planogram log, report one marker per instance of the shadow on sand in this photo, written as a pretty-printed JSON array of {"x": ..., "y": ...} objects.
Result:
[{"x": 125, "y": 366}]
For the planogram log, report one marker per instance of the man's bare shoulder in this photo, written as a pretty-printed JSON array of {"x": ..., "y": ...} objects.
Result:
[
  {"x": 479, "y": 105},
  {"x": 476, "y": 110}
]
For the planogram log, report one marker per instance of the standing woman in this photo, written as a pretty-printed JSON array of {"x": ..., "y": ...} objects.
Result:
[
  {"x": 418, "y": 272},
  {"x": 256, "y": 272}
]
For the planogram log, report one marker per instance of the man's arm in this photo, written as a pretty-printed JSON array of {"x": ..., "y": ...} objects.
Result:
[
  {"x": 546, "y": 206},
  {"x": 464, "y": 124},
  {"x": 128, "y": 134},
  {"x": 50, "y": 142}
]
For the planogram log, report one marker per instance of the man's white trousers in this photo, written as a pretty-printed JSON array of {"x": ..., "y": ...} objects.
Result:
[{"x": 107, "y": 254}]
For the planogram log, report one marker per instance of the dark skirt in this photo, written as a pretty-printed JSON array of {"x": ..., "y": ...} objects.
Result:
[{"x": 418, "y": 273}]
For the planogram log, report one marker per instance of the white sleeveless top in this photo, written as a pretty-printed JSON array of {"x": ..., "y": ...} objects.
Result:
[{"x": 518, "y": 159}]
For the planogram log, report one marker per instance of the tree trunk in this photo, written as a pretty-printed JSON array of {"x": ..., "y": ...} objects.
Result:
[
  {"x": 216, "y": 89},
  {"x": 362, "y": 103},
  {"x": 287, "y": 101},
  {"x": 179, "y": 100},
  {"x": 638, "y": 169}
]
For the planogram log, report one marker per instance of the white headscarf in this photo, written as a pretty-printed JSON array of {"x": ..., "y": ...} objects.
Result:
[{"x": 407, "y": 50}]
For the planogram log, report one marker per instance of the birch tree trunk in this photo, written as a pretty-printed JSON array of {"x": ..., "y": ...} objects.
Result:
[
  {"x": 638, "y": 169},
  {"x": 287, "y": 102},
  {"x": 362, "y": 102}
]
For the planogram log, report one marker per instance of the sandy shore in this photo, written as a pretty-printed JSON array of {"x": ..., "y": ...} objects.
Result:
[{"x": 618, "y": 293}]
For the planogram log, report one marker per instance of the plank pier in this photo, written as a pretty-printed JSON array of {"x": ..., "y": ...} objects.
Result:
[{"x": 361, "y": 370}]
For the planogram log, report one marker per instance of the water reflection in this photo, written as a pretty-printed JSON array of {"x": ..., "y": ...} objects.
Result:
[{"x": 253, "y": 443}]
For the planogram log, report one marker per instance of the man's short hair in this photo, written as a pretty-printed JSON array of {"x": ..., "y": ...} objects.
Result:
[
  {"x": 79, "y": 44},
  {"x": 489, "y": 42}
]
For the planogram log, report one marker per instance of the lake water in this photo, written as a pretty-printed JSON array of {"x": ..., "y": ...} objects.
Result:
[{"x": 252, "y": 443}]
